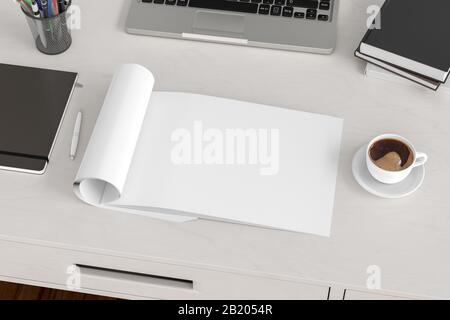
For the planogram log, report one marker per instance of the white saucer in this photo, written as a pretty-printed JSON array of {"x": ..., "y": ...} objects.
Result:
[{"x": 391, "y": 191}]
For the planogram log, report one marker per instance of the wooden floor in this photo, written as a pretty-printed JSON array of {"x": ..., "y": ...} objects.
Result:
[{"x": 12, "y": 291}]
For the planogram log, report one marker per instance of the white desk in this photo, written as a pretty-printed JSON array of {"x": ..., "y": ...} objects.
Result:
[{"x": 44, "y": 227}]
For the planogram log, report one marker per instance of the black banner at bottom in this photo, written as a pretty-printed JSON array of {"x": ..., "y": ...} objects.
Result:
[{"x": 196, "y": 310}]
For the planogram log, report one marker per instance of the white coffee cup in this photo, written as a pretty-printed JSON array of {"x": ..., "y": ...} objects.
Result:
[{"x": 391, "y": 177}]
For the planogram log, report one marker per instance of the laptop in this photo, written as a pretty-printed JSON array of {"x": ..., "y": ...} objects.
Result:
[{"x": 298, "y": 25}]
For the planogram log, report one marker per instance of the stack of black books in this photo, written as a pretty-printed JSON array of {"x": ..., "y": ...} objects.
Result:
[{"x": 411, "y": 39}]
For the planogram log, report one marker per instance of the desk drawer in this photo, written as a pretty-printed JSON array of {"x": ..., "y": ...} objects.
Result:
[{"x": 110, "y": 275}]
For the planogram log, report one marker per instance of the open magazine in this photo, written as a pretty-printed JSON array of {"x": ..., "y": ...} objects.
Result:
[{"x": 180, "y": 156}]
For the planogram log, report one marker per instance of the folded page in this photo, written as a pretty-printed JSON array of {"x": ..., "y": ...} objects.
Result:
[{"x": 103, "y": 172}]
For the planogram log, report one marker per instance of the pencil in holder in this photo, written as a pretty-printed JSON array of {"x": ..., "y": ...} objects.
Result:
[{"x": 51, "y": 35}]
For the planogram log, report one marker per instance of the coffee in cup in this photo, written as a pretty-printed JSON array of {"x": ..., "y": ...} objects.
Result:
[
  {"x": 390, "y": 158},
  {"x": 391, "y": 154}
]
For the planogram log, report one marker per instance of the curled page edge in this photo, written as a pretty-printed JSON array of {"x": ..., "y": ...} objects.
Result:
[
  {"x": 105, "y": 165},
  {"x": 94, "y": 183}
]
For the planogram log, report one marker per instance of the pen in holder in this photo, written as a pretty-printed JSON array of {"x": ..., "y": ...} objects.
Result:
[{"x": 51, "y": 34}]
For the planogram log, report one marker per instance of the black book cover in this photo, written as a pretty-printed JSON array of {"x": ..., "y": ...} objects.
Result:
[
  {"x": 418, "y": 30},
  {"x": 32, "y": 105}
]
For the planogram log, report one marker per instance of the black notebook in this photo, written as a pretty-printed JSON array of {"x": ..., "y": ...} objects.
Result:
[
  {"x": 414, "y": 35},
  {"x": 32, "y": 105}
]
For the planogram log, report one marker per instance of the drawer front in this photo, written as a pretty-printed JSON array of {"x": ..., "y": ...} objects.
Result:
[{"x": 109, "y": 275}]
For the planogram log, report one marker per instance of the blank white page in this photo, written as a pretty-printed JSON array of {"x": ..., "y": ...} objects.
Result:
[{"x": 299, "y": 197}]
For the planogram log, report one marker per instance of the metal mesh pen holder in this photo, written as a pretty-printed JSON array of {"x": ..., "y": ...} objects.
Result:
[{"x": 51, "y": 35}]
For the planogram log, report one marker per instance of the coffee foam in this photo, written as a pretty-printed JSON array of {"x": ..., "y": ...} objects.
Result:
[{"x": 391, "y": 154}]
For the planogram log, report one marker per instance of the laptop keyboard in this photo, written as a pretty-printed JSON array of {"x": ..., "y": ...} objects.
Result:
[{"x": 319, "y": 10}]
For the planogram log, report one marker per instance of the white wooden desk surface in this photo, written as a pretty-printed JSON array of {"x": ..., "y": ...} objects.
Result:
[{"x": 409, "y": 239}]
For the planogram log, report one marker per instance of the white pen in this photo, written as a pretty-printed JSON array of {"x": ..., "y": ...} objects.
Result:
[{"x": 75, "y": 137}]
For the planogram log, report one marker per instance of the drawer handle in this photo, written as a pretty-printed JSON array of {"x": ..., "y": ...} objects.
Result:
[{"x": 113, "y": 274}]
